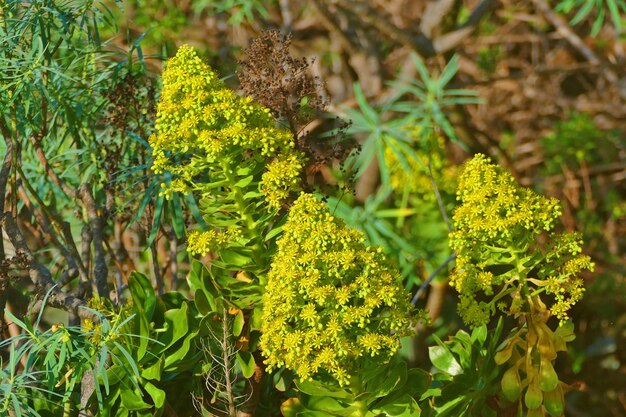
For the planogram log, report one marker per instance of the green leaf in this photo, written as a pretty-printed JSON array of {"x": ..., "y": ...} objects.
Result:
[
  {"x": 204, "y": 303},
  {"x": 615, "y": 13},
  {"x": 156, "y": 222},
  {"x": 200, "y": 278},
  {"x": 396, "y": 212},
  {"x": 256, "y": 318},
  {"x": 157, "y": 394},
  {"x": 453, "y": 408},
  {"x": 17, "y": 405},
  {"x": 371, "y": 117},
  {"x": 144, "y": 304},
  {"x": 195, "y": 275},
  {"x": 252, "y": 195},
  {"x": 443, "y": 360},
  {"x": 244, "y": 182},
  {"x": 318, "y": 389},
  {"x": 193, "y": 207},
  {"x": 383, "y": 383},
  {"x": 449, "y": 71},
  {"x": 210, "y": 325},
  {"x": 142, "y": 293},
  {"x": 238, "y": 323},
  {"x": 383, "y": 167},
  {"x": 133, "y": 401},
  {"x": 368, "y": 152},
  {"x": 405, "y": 406},
  {"x": 101, "y": 370},
  {"x": 582, "y": 12},
  {"x": 246, "y": 363},
  {"x": 463, "y": 347},
  {"x": 328, "y": 405},
  {"x": 28, "y": 327},
  {"x": 154, "y": 371},
  {"x": 178, "y": 221},
  {"x": 479, "y": 334},
  {"x": 177, "y": 326},
  {"x": 174, "y": 360},
  {"x": 276, "y": 230},
  {"x": 418, "y": 381},
  {"x": 129, "y": 359},
  {"x": 43, "y": 304},
  {"x": 114, "y": 374},
  {"x": 283, "y": 380},
  {"x": 233, "y": 258}
]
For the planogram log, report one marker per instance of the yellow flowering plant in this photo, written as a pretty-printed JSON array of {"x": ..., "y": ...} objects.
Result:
[
  {"x": 334, "y": 311},
  {"x": 509, "y": 257},
  {"x": 506, "y": 246},
  {"x": 243, "y": 169},
  {"x": 299, "y": 293},
  {"x": 228, "y": 151},
  {"x": 330, "y": 299}
]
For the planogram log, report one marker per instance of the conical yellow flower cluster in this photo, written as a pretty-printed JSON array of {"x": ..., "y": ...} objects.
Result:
[
  {"x": 208, "y": 137},
  {"x": 330, "y": 299},
  {"x": 505, "y": 244}
]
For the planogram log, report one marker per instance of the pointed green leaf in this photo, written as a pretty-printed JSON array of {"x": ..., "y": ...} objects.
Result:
[
  {"x": 142, "y": 293},
  {"x": 443, "y": 359},
  {"x": 154, "y": 371},
  {"x": 132, "y": 400},
  {"x": 317, "y": 388},
  {"x": 238, "y": 323},
  {"x": 203, "y": 303},
  {"x": 156, "y": 220},
  {"x": 404, "y": 406},
  {"x": 370, "y": 114},
  {"x": 246, "y": 363},
  {"x": 177, "y": 321},
  {"x": 158, "y": 395}
]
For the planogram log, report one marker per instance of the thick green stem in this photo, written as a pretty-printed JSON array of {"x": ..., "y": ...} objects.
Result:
[
  {"x": 356, "y": 387},
  {"x": 250, "y": 224},
  {"x": 239, "y": 200},
  {"x": 520, "y": 268},
  {"x": 538, "y": 291},
  {"x": 504, "y": 292}
]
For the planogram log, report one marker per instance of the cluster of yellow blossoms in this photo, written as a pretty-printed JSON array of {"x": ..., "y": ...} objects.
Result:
[
  {"x": 206, "y": 135},
  {"x": 201, "y": 243},
  {"x": 329, "y": 299},
  {"x": 497, "y": 239}
]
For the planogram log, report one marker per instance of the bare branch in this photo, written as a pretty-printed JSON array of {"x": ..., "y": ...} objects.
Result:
[
  {"x": 47, "y": 229},
  {"x": 41, "y": 155},
  {"x": 450, "y": 40},
  {"x": 420, "y": 43},
  {"x": 155, "y": 265},
  {"x": 566, "y": 31},
  {"x": 423, "y": 43},
  {"x": 100, "y": 268},
  {"x": 49, "y": 220},
  {"x": 4, "y": 179},
  {"x": 432, "y": 275},
  {"x": 40, "y": 275},
  {"x": 434, "y": 14}
]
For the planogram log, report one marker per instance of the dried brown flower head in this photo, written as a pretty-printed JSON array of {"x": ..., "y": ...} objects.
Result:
[{"x": 284, "y": 84}]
